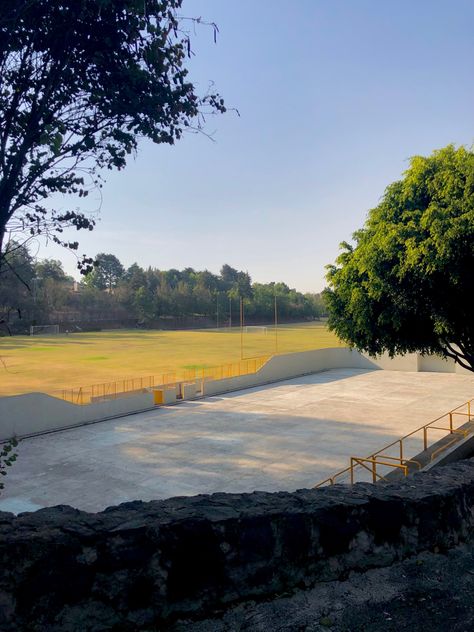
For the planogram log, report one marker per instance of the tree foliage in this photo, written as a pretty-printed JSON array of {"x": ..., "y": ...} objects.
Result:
[
  {"x": 80, "y": 82},
  {"x": 16, "y": 285},
  {"x": 407, "y": 284},
  {"x": 111, "y": 293},
  {"x": 50, "y": 269},
  {"x": 7, "y": 457},
  {"x": 106, "y": 273}
]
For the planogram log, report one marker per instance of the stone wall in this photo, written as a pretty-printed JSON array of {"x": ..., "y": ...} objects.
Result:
[{"x": 143, "y": 564}]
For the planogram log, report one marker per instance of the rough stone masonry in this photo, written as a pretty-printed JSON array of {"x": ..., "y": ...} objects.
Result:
[{"x": 142, "y": 565}]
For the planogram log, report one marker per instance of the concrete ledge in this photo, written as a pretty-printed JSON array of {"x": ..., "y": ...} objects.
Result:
[
  {"x": 449, "y": 449},
  {"x": 164, "y": 395},
  {"x": 35, "y": 413},
  {"x": 462, "y": 449},
  {"x": 140, "y": 565},
  {"x": 189, "y": 390}
]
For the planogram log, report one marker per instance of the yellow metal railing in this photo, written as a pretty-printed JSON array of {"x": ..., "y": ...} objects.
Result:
[
  {"x": 416, "y": 441},
  {"x": 82, "y": 395}
]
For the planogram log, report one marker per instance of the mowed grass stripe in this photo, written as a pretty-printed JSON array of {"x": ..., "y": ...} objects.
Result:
[{"x": 48, "y": 363}]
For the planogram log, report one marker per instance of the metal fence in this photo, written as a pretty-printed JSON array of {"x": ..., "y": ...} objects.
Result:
[
  {"x": 83, "y": 395},
  {"x": 399, "y": 454}
]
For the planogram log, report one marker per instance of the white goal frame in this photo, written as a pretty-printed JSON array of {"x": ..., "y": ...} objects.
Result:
[
  {"x": 44, "y": 330},
  {"x": 254, "y": 329}
]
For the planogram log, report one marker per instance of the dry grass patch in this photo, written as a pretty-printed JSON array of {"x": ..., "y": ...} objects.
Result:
[{"x": 47, "y": 363}]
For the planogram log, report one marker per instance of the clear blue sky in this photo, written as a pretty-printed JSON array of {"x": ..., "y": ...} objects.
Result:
[{"x": 334, "y": 97}]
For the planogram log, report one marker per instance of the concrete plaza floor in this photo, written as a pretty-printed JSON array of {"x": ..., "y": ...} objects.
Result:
[{"x": 283, "y": 436}]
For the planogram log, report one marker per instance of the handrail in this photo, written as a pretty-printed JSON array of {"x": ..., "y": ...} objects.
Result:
[
  {"x": 444, "y": 447},
  {"x": 355, "y": 462},
  {"x": 396, "y": 458},
  {"x": 373, "y": 469},
  {"x": 83, "y": 395}
]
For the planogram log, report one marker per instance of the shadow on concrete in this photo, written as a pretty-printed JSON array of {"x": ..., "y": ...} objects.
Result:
[
  {"x": 321, "y": 377},
  {"x": 290, "y": 438},
  {"x": 97, "y": 466}
]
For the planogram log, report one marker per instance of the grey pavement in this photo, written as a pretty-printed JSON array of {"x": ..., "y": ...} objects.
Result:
[{"x": 283, "y": 436}]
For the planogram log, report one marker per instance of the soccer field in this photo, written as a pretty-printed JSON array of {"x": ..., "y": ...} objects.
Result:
[{"x": 48, "y": 363}]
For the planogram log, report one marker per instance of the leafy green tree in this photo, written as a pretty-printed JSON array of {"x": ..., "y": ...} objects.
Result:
[
  {"x": 209, "y": 281},
  {"x": 263, "y": 302},
  {"x": 143, "y": 304},
  {"x": 50, "y": 269},
  {"x": 407, "y": 284},
  {"x": 106, "y": 273},
  {"x": 7, "y": 457},
  {"x": 244, "y": 285},
  {"x": 80, "y": 82},
  {"x": 229, "y": 275},
  {"x": 45, "y": 294},
  {"x": 52, "y": 287},
  {"x": 17, "y": 289},
  {"x": 315, "y": 305},
  {"x": 238, "y": 284},
  {"x": 134, "y": 276},
  {"x": 133, "y": 279}
]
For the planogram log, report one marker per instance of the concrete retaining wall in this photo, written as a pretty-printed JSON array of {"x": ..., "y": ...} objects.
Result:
[
  {"x": 136, "y": 566},
  {"x": 439, "y": 365},
  {"x": 288, "y": 365},
  {"x": 23, "y": 415}
]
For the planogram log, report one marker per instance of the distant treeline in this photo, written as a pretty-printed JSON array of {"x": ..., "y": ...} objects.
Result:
[{"x": 40, "y": 293}]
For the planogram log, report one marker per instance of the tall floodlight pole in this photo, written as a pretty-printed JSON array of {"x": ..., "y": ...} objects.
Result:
[
  {"x": 276, "y": 326},
  {"x": 35, "y": 281},
  {"x": 241, "y": 328},
  {"x": 230, "y": 312},
  {"x": 217, "y": 310}
]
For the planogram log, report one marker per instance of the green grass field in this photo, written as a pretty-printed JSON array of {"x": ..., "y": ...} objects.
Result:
[{"x": 48, "y": 363}]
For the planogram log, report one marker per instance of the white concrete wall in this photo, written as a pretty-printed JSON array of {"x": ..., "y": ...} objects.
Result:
[
  {"x": 168, "y": 394},
  {"x": 436, "y": 364},
  {"x": 283, "y": 366},
  {"x": 189, "y": 390},
  {"x": 408, "y": 362},
  {"x": 22, "y": 415}
]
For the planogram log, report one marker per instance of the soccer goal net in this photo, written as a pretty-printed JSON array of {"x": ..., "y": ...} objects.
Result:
[
  {"x": 44, "y": 330},
  {"x": 255, "y": 329}
]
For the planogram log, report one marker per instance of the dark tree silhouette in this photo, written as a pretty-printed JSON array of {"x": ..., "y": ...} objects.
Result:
[{"x": 81, "y": 81}]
